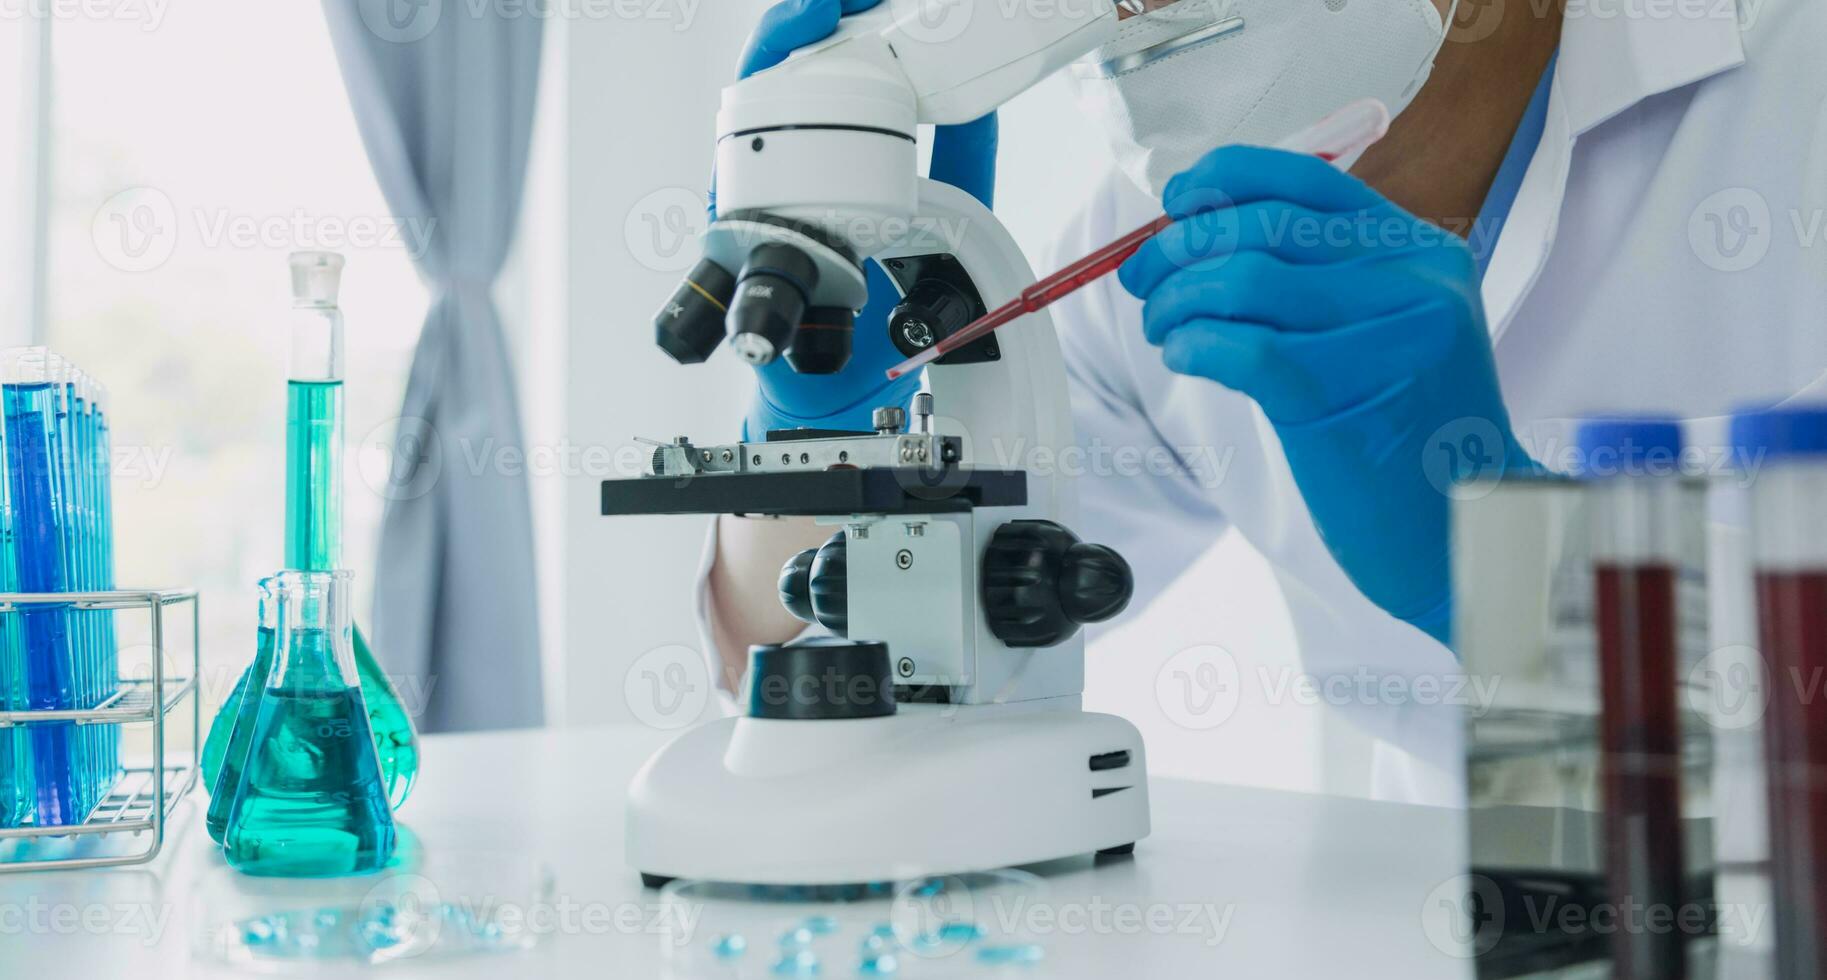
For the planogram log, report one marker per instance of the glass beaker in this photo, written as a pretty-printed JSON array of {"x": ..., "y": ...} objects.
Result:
[
  {"x": 232, "y": 734},
  {"x": 311, "y": 801}
]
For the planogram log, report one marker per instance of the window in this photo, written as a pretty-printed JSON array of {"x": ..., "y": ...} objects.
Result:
[{"x": 192, "y": 146}]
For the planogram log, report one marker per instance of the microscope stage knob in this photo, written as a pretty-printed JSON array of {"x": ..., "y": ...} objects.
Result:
[{"x": 1040, "y": 583}]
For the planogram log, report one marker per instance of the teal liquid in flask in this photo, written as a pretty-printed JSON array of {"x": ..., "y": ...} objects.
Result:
[
  {"x": 313, "y": 522},
  {"x": 310, "y": 800},
  {"x": 237, "y": 730}
]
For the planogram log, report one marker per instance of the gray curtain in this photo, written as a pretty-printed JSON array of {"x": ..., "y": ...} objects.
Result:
[{"x": 443, "y": 95}]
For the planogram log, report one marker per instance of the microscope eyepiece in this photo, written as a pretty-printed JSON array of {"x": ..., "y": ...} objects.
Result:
[
  {"x": 770, "y": 302},
  {"x": 690, "y": 326}
]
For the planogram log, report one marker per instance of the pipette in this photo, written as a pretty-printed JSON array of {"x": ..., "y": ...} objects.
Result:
[{"x": 1339, "y": 136}]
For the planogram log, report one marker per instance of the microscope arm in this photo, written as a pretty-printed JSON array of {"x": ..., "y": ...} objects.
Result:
[{"x": 957, "y": 59}]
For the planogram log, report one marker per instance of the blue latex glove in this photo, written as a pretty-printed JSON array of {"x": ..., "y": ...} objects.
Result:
[
  {"x": 1360, "y": 331},
  {"x": 963, "y": 156}
]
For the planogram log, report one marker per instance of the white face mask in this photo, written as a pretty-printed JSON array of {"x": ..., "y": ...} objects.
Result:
[{"x": 1200, "y": 74}]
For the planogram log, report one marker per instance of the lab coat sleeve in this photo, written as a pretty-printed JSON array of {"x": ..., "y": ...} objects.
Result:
[{"x": 1151, "y": 500}]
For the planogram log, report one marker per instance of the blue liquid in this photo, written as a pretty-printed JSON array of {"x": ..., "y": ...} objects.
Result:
[
  {"x": 50, "y": 667},
  {"x": 15, "y": 771},
  {"x": 311, "y": 802}
]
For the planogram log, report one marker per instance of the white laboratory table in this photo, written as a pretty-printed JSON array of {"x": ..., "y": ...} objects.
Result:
[{"x": 1299, "y": 886}]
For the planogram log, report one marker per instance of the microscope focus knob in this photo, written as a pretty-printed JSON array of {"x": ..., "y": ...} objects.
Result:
[
  {"x": 1041, "y": 583},
  {"x": 814, "y": 585}
]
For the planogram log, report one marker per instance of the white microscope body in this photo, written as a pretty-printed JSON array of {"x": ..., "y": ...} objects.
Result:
[{"x": 950, "y": 546}]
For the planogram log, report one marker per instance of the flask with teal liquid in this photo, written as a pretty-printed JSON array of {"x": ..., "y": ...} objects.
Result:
[
  {"x": 313, "y": 520},
  {"x": 310, "y": 800}
]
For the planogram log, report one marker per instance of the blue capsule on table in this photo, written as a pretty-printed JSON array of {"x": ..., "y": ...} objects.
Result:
[
  {"x": 1010, "y": 955},
  {"x": 729, "y": 946},
  {"x": 326, "y": 919},
  {"x": 796, "y": 936},
  {"x": 799, "y": 963},
  {"x": 257, "y": 932},
  {"x": 879, "y": 966},
  {"x": 380, "y": 928},
  {"x": 819, "y": 925},
  {"x": 960, "y": 932}
]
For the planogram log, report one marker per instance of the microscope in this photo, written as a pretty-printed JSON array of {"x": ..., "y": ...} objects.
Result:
[{"x": 938, "y": 727}]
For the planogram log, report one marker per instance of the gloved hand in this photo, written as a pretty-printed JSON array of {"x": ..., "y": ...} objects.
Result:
[
  {"x": 963, "y": 156},
  {"x": 1360, "y": 331}
]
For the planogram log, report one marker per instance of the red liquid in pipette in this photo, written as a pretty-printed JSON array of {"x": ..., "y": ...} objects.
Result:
[{"x": 1105, "y": 260}]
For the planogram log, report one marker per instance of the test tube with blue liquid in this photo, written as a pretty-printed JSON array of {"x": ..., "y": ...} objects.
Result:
[
  {"x": 28, "y": 400},
  {"x": 15, "y": 761}
]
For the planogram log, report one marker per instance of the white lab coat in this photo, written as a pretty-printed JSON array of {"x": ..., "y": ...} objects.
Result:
[{"x": 1667, "y": 253}]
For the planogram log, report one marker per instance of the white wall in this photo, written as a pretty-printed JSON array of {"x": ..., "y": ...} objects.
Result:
[{"x": 639, "y": 97}]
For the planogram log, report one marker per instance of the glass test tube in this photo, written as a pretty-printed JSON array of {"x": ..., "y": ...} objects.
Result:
[
  {"x": 1789, "y": 551},
  {"x": 1635, "y": 488},
  {"x": 27, "y": 392}
]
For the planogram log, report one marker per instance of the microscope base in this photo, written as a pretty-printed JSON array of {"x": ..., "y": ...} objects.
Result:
[{"x": 932, "y": 789}]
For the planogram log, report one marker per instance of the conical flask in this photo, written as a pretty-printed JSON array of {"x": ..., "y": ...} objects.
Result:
[
  {"x": 311, "y": 801},
  {"x": 225, "y": 754}
]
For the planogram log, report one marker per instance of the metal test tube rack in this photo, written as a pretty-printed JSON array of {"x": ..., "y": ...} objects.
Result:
[{"x": 143, "y": 799}]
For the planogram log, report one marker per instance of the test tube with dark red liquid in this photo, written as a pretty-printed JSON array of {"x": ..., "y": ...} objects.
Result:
[
  {"x": 1789, "y": 548},
  {"x": 1635, "y": 485}
]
